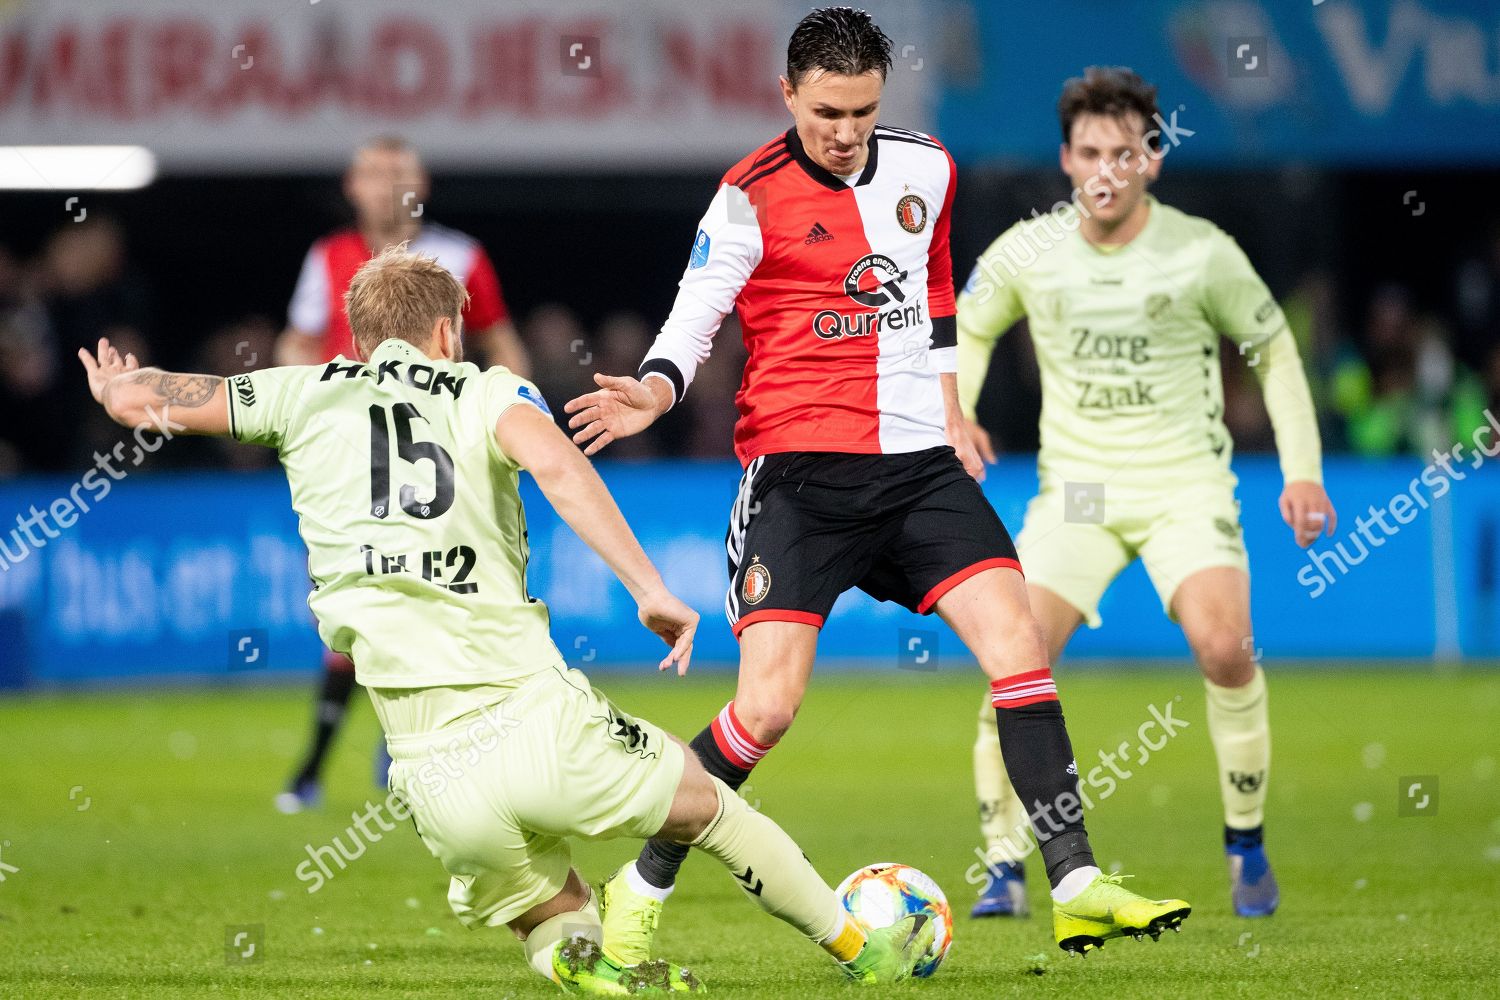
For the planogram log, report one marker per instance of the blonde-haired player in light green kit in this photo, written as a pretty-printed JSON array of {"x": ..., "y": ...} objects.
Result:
[
  {"x": 403, "y": 465},
  {"x": 1126, "y": 299}
]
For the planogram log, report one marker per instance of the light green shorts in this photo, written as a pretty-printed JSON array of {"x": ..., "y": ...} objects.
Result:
[
  {"x": 1077, "y": 549},
  {"x": 495, "y": 789}
]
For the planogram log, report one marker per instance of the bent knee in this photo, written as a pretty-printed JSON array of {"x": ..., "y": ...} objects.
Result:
[
  {"x": 1226, "y": 658},
  {"x": 1020, "y": 647},
  {"x": 766, "y": 721}
]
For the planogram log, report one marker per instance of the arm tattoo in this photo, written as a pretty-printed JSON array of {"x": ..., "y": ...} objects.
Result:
[{"x": 180, "y": 390}]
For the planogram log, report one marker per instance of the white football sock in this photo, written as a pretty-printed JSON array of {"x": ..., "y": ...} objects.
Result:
[
  {"x": 1073, "y": 883},
  {"x": 640, "y": 885}
]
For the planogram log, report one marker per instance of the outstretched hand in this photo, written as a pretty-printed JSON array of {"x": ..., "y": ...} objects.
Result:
[
  {"x": 620, "y": 407},
  {"x": 105, "y": 365}
]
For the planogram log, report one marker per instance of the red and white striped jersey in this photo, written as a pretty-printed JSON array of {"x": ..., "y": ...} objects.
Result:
[
  {"x": 844, "y": 289},
  {"x": 318, "y": 301}
]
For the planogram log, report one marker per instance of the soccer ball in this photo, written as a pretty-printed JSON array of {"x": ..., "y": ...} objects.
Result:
[{"x": 878, "y": 895}]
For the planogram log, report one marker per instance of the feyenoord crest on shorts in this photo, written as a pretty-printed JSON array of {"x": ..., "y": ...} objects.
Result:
[{"x": 757, "y": 582}]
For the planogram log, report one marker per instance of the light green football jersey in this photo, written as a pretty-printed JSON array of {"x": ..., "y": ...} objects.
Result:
[
  {"x": 1127, "y": 340},
  {"x": 415, "y": 533}
]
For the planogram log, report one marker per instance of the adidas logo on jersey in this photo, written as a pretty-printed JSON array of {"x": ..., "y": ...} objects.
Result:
[{"x": 817, "y": 234}]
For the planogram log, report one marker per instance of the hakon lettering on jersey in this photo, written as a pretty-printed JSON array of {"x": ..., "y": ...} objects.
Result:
[
  {"x": 422, "y": 377},
  {"x": 447, "y": 569},
  {"x": 874, "y": 281}
]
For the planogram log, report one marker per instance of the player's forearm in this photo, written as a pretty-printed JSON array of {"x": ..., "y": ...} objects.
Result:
[
  {"x": 1290, "y": 406},
  {"x": 953, "y": 412},
  {"x": 661, "y": 391},
  {"x": 974, "y": 354},
  {"x": 581, "y": 499},
  {"x": 167, "y": 402},
  {"x": 683, "y": 344}
]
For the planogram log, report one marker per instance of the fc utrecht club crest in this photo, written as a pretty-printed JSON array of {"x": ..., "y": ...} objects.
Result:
[
  {"x": 757, "y": 582},
  {"x": 911, "y": 212},
  {"x": 1157, "y": 307}
]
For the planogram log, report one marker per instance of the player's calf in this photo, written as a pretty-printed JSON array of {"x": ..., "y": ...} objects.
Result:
[
  {"x": 725, "y": 749},
  {"x": 770, "y": 869}
]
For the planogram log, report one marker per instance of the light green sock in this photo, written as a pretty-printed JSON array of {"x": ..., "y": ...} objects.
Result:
[
  {"x": 547, "y": 935},
  {"x": 1239, "y": 724},
  {"x": 770, "y": 867}
]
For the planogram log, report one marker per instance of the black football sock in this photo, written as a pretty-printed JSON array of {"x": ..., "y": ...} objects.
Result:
[
  {"x": 1039, "y": 758},
  {"x": 727, "y": 752},
  {"x": 333, "y": 702},
  {"x": 1245, "y": 840}
]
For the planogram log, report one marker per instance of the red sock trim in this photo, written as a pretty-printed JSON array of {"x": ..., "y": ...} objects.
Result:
[
  {"x": 1023, "y": 689},
  {"x": 735, "y": 742}
]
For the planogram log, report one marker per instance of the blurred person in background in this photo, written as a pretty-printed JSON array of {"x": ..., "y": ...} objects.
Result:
[
  {"x": 82, "y": 289},
  {"x": 559, "y": 350},
  {"x": 387, "y": 186},
  {"x": 1245, "y": 415},
  {"x": 622, "y": 340},
  {"x": 27, "y": 371},
  {"x": 1492, "y": 379},
  {"x": 1312, "y": 313},
  {"x": 1478, "y": 301},
  {"x": 246, "y": 345},
  {"x": 710, "y": 412},
  {"x": 1408, "y": 394}
]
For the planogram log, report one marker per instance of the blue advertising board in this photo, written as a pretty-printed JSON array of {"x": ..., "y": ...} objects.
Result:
[
  {"x": 204, "y": 575},
  {"x": 1248, "y": 82}
]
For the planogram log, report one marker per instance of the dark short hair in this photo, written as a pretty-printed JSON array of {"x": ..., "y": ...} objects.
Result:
[
  {"x": 1114, "y": 91},
  {"x": 842, "y": 40}
]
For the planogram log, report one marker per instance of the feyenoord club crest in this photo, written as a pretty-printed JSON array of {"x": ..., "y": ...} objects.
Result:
[
  {"x": 911, "y": 212},
  {"x": 757, "y": 582}
]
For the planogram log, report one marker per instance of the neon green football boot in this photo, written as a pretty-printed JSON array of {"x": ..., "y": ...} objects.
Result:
[
  {"x": 891, "y": 952},
  {"x": 1106, "y": 909},
  {"x": 579, "y": 965},
  {"x": 629, "y": 921}
]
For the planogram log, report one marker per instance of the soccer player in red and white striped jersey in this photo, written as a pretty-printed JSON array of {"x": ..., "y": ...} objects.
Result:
[
  {"x": 831, "y": 241},
  {"x": 387, "y": 186}
]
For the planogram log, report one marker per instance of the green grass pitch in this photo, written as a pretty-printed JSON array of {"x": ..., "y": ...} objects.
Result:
[{"x": 135, "y": 827}]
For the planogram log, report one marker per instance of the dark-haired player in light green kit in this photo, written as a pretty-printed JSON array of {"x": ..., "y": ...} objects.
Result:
[{"x": 1126, "y": 299}]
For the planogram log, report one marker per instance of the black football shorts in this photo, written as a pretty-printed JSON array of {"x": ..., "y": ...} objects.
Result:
[{"x": 807, "y": 526}]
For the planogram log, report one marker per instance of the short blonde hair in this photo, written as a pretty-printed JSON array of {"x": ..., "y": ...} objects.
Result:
[{"x": 399, "y": 295}]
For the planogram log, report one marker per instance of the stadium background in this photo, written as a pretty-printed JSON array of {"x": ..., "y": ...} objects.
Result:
[{"x": 1350, "y": 147}]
